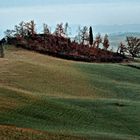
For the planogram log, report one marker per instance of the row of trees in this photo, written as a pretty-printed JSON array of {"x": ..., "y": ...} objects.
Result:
[
  {"x": 84, "y": 36},
  {"x": 22, "y": 30}
]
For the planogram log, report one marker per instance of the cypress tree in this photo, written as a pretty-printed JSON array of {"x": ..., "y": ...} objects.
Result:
[{"x": 90, "y": 36}]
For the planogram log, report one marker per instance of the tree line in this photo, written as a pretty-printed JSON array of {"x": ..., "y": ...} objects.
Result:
[
  {"x": 84, "y": 43},
  {"x": 84, "y": 36}
]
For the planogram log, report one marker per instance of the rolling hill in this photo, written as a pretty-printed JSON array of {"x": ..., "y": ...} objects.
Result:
[{"x": 43, "y": 97}]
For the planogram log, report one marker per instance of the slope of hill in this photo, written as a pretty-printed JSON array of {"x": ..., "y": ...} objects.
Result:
[{"x": 59, "y": 99}]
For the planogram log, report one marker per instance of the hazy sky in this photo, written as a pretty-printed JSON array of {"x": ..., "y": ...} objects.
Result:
[{"x": 84, "y": 12}]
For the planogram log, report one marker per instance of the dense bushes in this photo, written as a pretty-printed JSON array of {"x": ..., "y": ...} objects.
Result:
[{"x": 65, "y": 48}]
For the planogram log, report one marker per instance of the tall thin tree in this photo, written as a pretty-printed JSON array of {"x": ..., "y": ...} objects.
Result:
[{"x": 90, "y": 36}]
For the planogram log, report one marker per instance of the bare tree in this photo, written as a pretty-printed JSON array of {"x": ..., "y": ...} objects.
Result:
[
  {"x": 60, "y": 31},
  {"x": 67, "y": 29},
  {"x": 9, "y": 33},
  {"x": 97, "y": 41},
  {"x": 106, "y": 42},
  {"x": 30, "y": 26},
  {"x": 121, "y": 48},
  {"x": 20, "y": 30},
  {"x": 23, "y": 29},
  {"x": 133, "y": 47},
  {"x": 83, "y": 35},
  {"x": 46, "y": 29}
]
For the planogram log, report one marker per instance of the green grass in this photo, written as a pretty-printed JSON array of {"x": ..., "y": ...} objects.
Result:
[
  {"x": 66, "y": 99},
  {"x": 113, "y": 80}
]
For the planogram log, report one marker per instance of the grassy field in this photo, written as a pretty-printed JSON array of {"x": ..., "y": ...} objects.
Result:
[{"x": 46, "y": 98}]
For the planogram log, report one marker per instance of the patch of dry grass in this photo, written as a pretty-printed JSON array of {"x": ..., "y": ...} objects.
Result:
[
  {"x": 43, "y": 75},
  {"x": 15, "y": 133}
]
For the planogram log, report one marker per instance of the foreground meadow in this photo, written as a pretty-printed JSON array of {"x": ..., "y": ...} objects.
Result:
[{"x": 42, "y": 97}]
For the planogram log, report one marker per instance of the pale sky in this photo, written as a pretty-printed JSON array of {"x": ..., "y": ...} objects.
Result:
[{"x": 90, "y": 12}]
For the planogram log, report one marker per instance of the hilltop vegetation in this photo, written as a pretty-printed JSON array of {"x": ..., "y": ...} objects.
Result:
[
  {"x": 84, "y": 47},
  {"x": 60, "y": 99}
]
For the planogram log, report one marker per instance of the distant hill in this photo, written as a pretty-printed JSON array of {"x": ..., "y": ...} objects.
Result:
[
  {"x": 125, "y": 28},
  {"x": 116, "y": 38}
]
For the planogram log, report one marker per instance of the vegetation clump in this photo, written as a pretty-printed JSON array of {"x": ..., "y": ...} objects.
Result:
[{"x": 83, "y": 48}]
